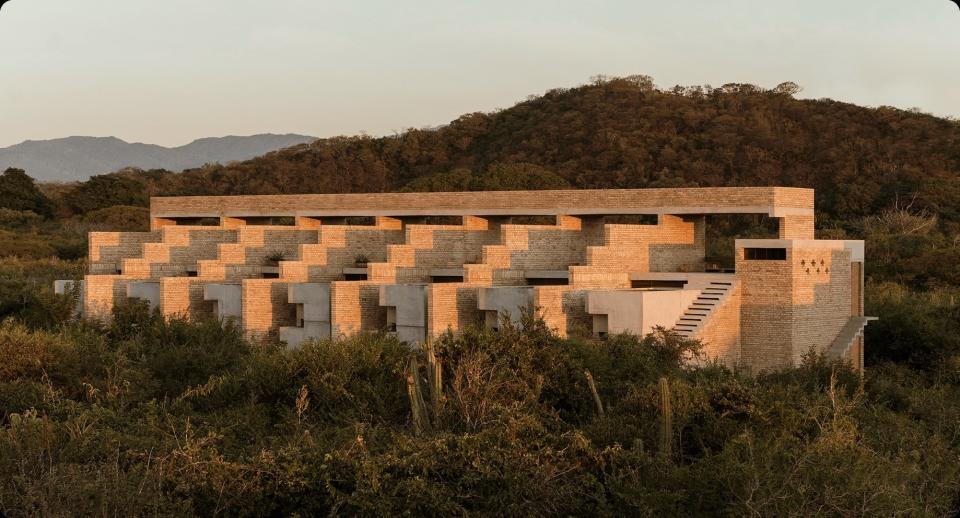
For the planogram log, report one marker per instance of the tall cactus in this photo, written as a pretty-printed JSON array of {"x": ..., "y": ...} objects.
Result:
[
  {"x": 421, "y": 412},
  {"x": 421, "y": 421},
  {"x": 666, "y": 419},
  {"x": 593, "y": 390},
  {"x": 435, "y": 378}
]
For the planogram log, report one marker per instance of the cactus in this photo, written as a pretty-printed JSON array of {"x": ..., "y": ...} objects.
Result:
[
  {"x": 666, "y": 419},
  {"x": 421, "y": 421},
  {"x": 435, "y": 378},
  {"x": 593, "y": 390}
]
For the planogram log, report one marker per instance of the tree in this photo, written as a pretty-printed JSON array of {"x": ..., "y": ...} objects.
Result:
[
  {"x": 105, "y": 191},
  {"x": 19, "y": 192}
]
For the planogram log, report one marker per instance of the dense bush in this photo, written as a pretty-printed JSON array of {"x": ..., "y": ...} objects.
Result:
[
  {"x": 147, "y": 416},
  {"x": 20, "y": 193},
  {"x": 26, "y": 291}
]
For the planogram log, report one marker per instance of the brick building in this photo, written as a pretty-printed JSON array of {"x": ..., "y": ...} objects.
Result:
[{"x": 588, "y": 262}]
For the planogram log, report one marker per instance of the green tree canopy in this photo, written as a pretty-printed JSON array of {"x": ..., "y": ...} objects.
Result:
[
  {"x": 105, "y": 191},
  {"x": 19, "y": 192}
]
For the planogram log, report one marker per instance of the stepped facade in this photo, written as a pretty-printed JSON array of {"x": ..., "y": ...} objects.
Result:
[{"x": 589, "y": 262}]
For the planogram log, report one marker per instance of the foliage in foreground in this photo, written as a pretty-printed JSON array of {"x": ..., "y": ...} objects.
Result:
[{"x": 172, "y": 418}]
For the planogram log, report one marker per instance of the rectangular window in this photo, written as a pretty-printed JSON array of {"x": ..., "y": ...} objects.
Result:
[{"x": 765, "y": 254}]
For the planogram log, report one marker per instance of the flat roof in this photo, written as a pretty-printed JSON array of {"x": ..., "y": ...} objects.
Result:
[{"x": 773, "y": 201}]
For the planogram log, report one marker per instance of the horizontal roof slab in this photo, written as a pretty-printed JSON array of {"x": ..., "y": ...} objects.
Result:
[{"x": 774, "y": 201}]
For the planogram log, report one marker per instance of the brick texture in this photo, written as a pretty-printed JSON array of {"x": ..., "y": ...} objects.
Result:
[{"x": 777, "y": 311}]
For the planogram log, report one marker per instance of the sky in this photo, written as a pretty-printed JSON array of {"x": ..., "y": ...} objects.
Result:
[{"x": 167, "y": 72}]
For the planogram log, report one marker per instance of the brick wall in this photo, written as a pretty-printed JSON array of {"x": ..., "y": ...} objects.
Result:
[
  {"x": 789, "y": 307},
  {"x": 600, "y": 201},
  {"x": 355, "y": 307},
  {"x": 821, "y": 297},
  {"x": 452, "y": 307},
  {"x": 183, "y": 297},
  {"x": 796, "y": 227},
  {"x": 265, "y": 307},
  {"x": 427, "y": 247},
  {"x": 180, "y": 249},
  {"x": 721, "y": 333},
  {"x": 101, "y": 292},
  {"x": 672, "y": 245},
  {"x": 338, "y": 248},
  {"x": 255, "y": 244},
  {"x": 784, "y": 310},
  {"x": 108, "y": 249},
  {"x": 563, "y": 309}
]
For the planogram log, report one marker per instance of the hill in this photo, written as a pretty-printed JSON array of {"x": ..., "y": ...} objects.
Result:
[
  {"x": 623, "y": 132},
  {"x": 79, "y": 158}
]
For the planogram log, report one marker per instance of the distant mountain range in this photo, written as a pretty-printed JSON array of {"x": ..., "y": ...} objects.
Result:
[{"x": 78, "y": 158}]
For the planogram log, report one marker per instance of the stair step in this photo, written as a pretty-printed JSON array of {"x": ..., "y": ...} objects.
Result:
[
  {"x": 697, "y": 320},
  {"x": 708, "y": 298},
  {"x": 689, "y": 327},
  {"x": 722, "y": 283}
]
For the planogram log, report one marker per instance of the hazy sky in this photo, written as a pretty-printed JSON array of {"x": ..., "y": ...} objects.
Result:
[{"x": 169, "y": 71}]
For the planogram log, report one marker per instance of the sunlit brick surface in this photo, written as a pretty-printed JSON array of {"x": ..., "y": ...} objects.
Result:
[{"x": 563, "y": 243}]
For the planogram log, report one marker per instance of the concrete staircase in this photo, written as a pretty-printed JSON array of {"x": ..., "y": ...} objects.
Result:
[
  {"x": 850, "y": 332},
  {"x": 712, "y": 296}
]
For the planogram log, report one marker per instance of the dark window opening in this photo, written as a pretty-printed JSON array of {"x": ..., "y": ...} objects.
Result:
[
  {"x": 270, "y": 275},
  {"x": 360, "y": 221},
  {"x": 443, "y": 220},
  {"x": 548, "y": 282},
  {"x": 533, "y": 220},
  {"x": 631, "y": 219},
  {"x": 197, "y": 222},
  {"x": 441, "y": 279},
  {"x": 355, "y": 276},
  {"x": 191, "y": 273},
  {"x": 287, "y": 221},
  {"x": 765, "y": 254},
  {"x": 657, "y": 284}
]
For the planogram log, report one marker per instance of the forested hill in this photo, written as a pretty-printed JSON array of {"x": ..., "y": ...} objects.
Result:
[{"x": 623, "y": 132}]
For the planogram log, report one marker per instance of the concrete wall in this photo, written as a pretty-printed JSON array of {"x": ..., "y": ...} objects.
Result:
[
  {"x": 637, "y": 311},
  {"x": 406, "y": 310},
  {"x": 312, "y": 303}
]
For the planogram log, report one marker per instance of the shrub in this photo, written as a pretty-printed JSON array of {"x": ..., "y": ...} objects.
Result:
[{"x": 15, "y": 219}]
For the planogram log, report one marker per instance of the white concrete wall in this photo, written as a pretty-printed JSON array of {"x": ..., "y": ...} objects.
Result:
[
  {"x": 409, "y": 314},
  {"x": 637, "y": 311}
]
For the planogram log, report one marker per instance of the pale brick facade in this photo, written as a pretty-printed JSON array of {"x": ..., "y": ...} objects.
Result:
[{"x": 785, "y": 297}]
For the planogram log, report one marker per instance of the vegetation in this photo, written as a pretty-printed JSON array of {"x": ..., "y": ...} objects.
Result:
[{"x": 146, "y": 416}]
